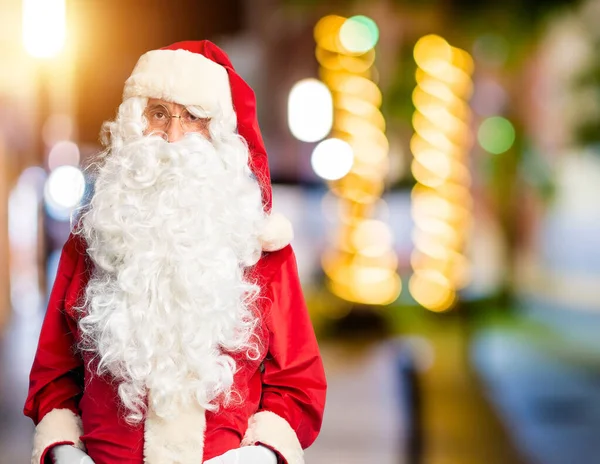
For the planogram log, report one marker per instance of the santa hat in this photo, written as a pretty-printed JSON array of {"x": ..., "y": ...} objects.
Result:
[{"x": 199, "y": 73}]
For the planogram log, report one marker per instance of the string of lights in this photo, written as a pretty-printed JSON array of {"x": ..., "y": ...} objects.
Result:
[
  {"x": 441, "y": 200},
  {"x": 360, "y": 262}
]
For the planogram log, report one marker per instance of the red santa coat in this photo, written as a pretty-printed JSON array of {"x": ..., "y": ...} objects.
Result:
[{"x": 283, "y": 393}]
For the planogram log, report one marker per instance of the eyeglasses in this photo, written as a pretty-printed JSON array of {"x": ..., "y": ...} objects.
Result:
[{"x": 159, "y": 119}]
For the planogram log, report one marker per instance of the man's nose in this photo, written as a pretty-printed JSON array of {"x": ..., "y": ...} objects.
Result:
[{"x": 174, "y": 131}]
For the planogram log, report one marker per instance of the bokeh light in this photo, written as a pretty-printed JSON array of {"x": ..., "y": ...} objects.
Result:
[
  {"x": 432, "y": 290},
  {"x": 332, "y": 159},
  {"x": 44, "y": 27},
  {"x": 64, "y": 190},
  {"x": 432, "y": 51},
  {"x": 359, "y": 34},
  {"x": 310, "y": 110},
  {"x": 441, "y": 200},
  {"x": 372, "y": 238},
  {"x": 326, "y": 32},
  {"x": 63, "y": 153},
  {"x": 360, "y": 262},
  {"x": 496, "y": 135}
]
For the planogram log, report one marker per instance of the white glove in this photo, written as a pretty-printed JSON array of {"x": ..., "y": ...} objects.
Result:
[
  {"x": 68, "y": 454},
  {"x": 246, "y": 455}
]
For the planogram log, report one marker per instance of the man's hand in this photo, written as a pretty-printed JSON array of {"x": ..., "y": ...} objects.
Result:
[
  {"x": 246, "y": 455},
  {"x": 67, "y": 454}
]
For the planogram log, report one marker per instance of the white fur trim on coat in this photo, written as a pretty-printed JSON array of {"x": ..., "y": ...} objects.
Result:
[
  {"x": 183, "y": 77},
  {"x": 274, "y": 431},
  {"x": 58, "y": 426},
  {"x": 277, "y": 232},
  {"x": 178, "y": 440}
]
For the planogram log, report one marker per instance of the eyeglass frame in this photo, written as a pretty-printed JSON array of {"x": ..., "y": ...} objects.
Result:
[{"x": 165, "y": 110}]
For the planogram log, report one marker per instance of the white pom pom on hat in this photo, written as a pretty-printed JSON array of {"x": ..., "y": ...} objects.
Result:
[{"x": 277, "y": 232}]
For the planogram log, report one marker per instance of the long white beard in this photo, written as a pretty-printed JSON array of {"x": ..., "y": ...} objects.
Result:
[{"x": 170, "y": 229}]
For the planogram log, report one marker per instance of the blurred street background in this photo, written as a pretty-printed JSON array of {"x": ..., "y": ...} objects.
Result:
[{"x": 440, "y": 162}]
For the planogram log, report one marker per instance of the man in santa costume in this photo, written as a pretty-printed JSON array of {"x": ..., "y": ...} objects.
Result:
[{"x": 176, "y": 332}]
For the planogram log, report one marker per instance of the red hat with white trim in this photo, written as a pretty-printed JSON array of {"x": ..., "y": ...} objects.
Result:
[{"x": 199, "y": 73}]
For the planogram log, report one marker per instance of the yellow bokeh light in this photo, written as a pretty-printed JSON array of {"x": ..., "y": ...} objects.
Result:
[
  {"x": 445, "y": 235},
  {"x": 436, "y": 161},
  {"x": 351, "y": 84},
  {"x": 432, "y": 226},
  {"x": 454, "y": 193},
  {"x": 452, "y": 127},
  {"x": 452, "y": 77},
  {"x": 328, "y": 59},
  {"x": 360, "y": 108},
  {"x": 454, "y": 266},
  {"x": 433, "y": 171},
  {"x": 366, "y": 151},
  {"x": 372, "y": 238},
  {"x": 433, "y": 88},
  {"x": 463, "y": 60},
  {"x": 419, "y": 145},
  {"x": 362, "y": 265},
  {"x": 429, "y": 245},
  {"x": 455, "y": 78},
  {"x": 385, "y": 290},
  {"x": 425, "y": 176},
  {"x": 367, "y": 285},
  {"x": 441, "y": 201},
  {"x": 341, "y": 289},
  {"x": 358, "y": 188},
  {"x": 388, "y": 260},
  {"x": 326, "y": 32},
  {"x": 432, "y": 290},
  {"x": 455, "y": 106},
  {"x": 356, "y": 126},
  {"x": 371, "y": 169},
  {"x": 357, "y": 64},
  {"x": 431, "y": 204},
  {"x": 374, "y": 136},
  {"x": 346, "y": 212},
  {"x": 430, "y": 49},
  {"x": 436, "y": 138}
]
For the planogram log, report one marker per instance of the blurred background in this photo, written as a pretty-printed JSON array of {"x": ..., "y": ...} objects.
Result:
[{"x": 440, "y": 161}]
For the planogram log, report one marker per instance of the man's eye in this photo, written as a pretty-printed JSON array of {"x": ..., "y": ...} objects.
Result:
[
  {"x": 187, "y": 116},
  {"x": 159, "y": 115}
]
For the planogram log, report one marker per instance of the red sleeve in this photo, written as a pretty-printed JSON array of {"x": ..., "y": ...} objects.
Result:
[
  {"x": 55, "y": 379},
  {"x": 55, "y": 382},
  {"x": 294, "y": 385}
]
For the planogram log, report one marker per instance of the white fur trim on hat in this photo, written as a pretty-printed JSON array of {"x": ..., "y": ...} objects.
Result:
[
  {"x": 58, "y": 426},
  {"x": 277, "y": 232},
  {"x": 178, "y": 440},
  {"x": 183, "y": 77},
  {"x": 274, "y": 431}
]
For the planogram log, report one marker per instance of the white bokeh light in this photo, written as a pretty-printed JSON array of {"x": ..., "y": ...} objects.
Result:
[
  {"x": 310, "y": 110},
  {"x": 44, "y": 27},
  {"x": 64, "y": 191},
  {"x": 332, "y": 159}
]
